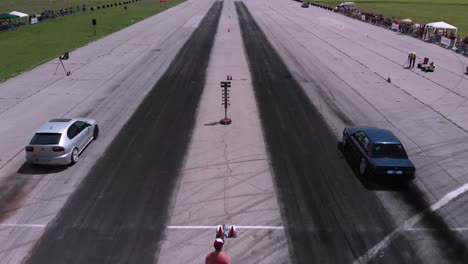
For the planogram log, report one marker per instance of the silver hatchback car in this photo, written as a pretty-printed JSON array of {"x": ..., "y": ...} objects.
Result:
[{"x": 61, "y": 141}]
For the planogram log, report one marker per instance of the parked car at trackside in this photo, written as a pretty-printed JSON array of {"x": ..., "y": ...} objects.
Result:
[
  {"x": 305, "y": 5},
  {"x": 379, "y": 151},
  {"x": 61, "y": 141}
]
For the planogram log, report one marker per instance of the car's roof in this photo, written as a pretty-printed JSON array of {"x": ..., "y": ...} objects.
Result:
[
  {"x": 55, "y": 126},
  {"x": 379, "y": 135}
]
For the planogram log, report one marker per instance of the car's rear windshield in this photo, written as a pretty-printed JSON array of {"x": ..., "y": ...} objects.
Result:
[
  {"x": 395, "y": 151},
  {"x": 46, "y": 139}
]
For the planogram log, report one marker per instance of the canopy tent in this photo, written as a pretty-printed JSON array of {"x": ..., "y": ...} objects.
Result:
[
  {"x": 16, "y": 13},
  {"x": 441, "y": 25},
  {"x": 406, "y": 21},
  {"x": 437, "y": 32},
  {"x": 7, "y": 16}
]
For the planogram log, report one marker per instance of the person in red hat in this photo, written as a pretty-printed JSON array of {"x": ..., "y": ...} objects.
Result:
[{"x": 217, "y": 257}]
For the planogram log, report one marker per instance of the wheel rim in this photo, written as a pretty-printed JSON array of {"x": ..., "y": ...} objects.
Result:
[
  {"x": 362, "y": 167},
  {"x": 75, "y": 155}
]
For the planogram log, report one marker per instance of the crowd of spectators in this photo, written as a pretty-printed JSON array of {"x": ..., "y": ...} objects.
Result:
[
  {"x": 457, "y": 43},
  {"x": 8, "y": 24},
  {"x": 13, "y": 23},
  {"x": 51, "y": 14}
]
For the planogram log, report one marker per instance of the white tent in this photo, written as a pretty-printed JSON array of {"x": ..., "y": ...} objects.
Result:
[
  {"x": 431, "y": 34},
  {"x": 16, "y": 13},
  {"x": 441, "y": 25}
]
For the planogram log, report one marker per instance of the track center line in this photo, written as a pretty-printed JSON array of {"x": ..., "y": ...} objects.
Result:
[
  {"x": 408, "y": 224},
  {"x": 237, "y": 227}
]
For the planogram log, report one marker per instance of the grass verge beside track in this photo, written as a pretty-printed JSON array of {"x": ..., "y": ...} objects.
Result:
[
  {"x": 30, "y": 46},
  {"x": 421, "y": 11},
  {"x": 38, "y": 6}
]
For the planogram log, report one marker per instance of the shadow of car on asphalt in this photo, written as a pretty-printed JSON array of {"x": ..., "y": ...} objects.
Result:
[
  {"x": 372, "y": 184},
  {"x": 28, "y": 168},
  {"x": 215, "y": 123}
]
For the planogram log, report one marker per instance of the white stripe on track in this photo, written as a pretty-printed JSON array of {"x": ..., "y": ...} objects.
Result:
[
  {"x": 237, "y": 227},
  {"x": 459, "y": 229},
  {"x": 408, "y": 224},
  {"x": 191, "y": 227},
  {"x": 23, "y": 225}
]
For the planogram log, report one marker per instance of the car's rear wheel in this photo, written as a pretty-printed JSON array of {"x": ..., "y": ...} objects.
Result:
[
  {"x": 74, "y": 156},
  {"x": 96, "y": 132},
  {"x": 344, "y": 142},
  {"x": 363, "y": 167}
]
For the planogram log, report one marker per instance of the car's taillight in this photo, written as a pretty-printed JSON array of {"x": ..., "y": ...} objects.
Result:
[
  {"x": 58, "y": 149},
  {"x": 29, "y": 149}
]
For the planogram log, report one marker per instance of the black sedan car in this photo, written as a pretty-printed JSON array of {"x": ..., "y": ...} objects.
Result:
[
  {"x": 379, "y": 152},
  {"x": 305, "y": 5}
]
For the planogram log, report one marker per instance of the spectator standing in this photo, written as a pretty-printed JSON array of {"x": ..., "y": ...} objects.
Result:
[
  {"x": 452, "y": 35},
  {"x": 461, "y": 45},
  {"x": 423, "y": 32},
  {"x": 217, "y": 257},
  {"x": 412, "y": 59}
]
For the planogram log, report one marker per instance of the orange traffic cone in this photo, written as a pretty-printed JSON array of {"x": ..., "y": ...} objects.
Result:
[
  {"x": 232, "y": 231},
  {"x": 220, "y": 232}
]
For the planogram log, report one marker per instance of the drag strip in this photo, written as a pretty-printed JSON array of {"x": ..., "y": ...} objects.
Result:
[
  {"x": 118, "y": 213},
  {"x": 330, "y": 217}
]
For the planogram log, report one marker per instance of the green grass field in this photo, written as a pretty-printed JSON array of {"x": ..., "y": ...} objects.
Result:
[
  {"x": 454, "y": 12},
  {"x": 25, "y": 48},
  {"x": 37, "y": 6}
]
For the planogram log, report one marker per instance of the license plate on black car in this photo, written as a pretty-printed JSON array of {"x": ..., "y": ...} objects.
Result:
[{"x": 399, "y": 172}]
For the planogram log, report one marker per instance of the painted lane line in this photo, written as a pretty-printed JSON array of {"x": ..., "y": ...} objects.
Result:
[
  {"x": 408, "y": 224},
  {"x": 459, "y": 229},
  {"x": 237, "y": 227},
  {"x": 23, "y": 225},
  {"x": 261, "y": 227},
  {"x": 191, "y": 227}
]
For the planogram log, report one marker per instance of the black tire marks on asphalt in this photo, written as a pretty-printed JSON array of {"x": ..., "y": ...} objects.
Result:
[
  {"x": 329, "y": 216},
  {"x": 119, "y": 212}
]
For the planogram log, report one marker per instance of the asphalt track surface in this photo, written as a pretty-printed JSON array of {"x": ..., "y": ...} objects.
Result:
[
  {"x": 323, "y": 69},
  {"x": 329, "y": 216},
  {"x": 119, "y": 212}
]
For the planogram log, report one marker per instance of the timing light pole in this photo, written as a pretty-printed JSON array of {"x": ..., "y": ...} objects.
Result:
[{"x": 225, "y": 101}]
